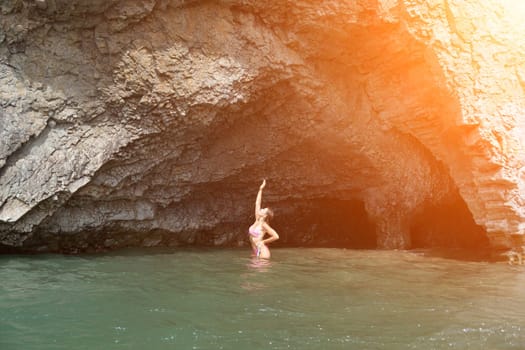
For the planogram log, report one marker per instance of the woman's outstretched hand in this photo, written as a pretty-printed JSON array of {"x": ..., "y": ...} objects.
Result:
[{"x": 263, "y": 184}]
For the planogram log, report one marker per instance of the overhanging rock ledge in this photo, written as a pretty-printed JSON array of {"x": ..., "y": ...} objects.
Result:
[{"x": 390, "y": 123}]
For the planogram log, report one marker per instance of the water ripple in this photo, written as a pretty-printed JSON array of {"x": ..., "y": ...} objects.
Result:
[{"x": 301, "y": 299}]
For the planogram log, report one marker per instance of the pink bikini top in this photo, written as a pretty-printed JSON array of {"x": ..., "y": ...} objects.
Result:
[{"x": 255, "y": 232}]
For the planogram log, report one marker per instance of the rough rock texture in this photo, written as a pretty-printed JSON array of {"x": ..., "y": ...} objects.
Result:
[{"x": 387, "y": 123}]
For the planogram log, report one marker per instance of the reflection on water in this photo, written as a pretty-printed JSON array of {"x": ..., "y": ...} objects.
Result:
[
  {"x": 253, "y": 279},
  {"x": 223, "y": 299},
  {"x": 259, "y": 265}
]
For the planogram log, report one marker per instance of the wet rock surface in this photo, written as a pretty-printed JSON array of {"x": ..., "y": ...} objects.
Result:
[{"x": 390, "y": 124}]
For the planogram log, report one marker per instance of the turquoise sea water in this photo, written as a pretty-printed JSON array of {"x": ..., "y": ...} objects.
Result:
[{"x": 222, "y": 299}]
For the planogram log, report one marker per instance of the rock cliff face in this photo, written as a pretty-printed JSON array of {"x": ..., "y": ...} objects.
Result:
[{"x": 379, "y": 123}]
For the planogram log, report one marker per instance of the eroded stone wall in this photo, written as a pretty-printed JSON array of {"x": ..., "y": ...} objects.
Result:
[{"x": 152, "y": 122}]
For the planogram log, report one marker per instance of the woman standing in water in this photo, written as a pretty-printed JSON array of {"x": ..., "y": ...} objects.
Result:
[{"x": 261, "y": 227}]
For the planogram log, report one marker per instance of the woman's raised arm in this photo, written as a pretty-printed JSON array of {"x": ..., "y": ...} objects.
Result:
[{"x": 259, "y": 199}]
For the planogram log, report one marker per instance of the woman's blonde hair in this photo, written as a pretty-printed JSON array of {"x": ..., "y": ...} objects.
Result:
[{"x": 269, "y": 214}]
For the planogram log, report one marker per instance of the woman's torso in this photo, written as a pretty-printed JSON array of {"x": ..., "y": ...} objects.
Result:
[{"x": 256, "y": 231}]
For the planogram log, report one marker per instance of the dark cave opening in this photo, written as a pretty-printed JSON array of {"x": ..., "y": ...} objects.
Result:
[
  {"x": 329, "y": 222},
  {"x": 447, "y": 225},
  {"x": 325, "y": 222}
]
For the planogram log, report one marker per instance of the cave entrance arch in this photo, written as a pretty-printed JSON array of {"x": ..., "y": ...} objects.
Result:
[
  {"x": 326, "y": 222},
  {"x": 447, "y": 225}
]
